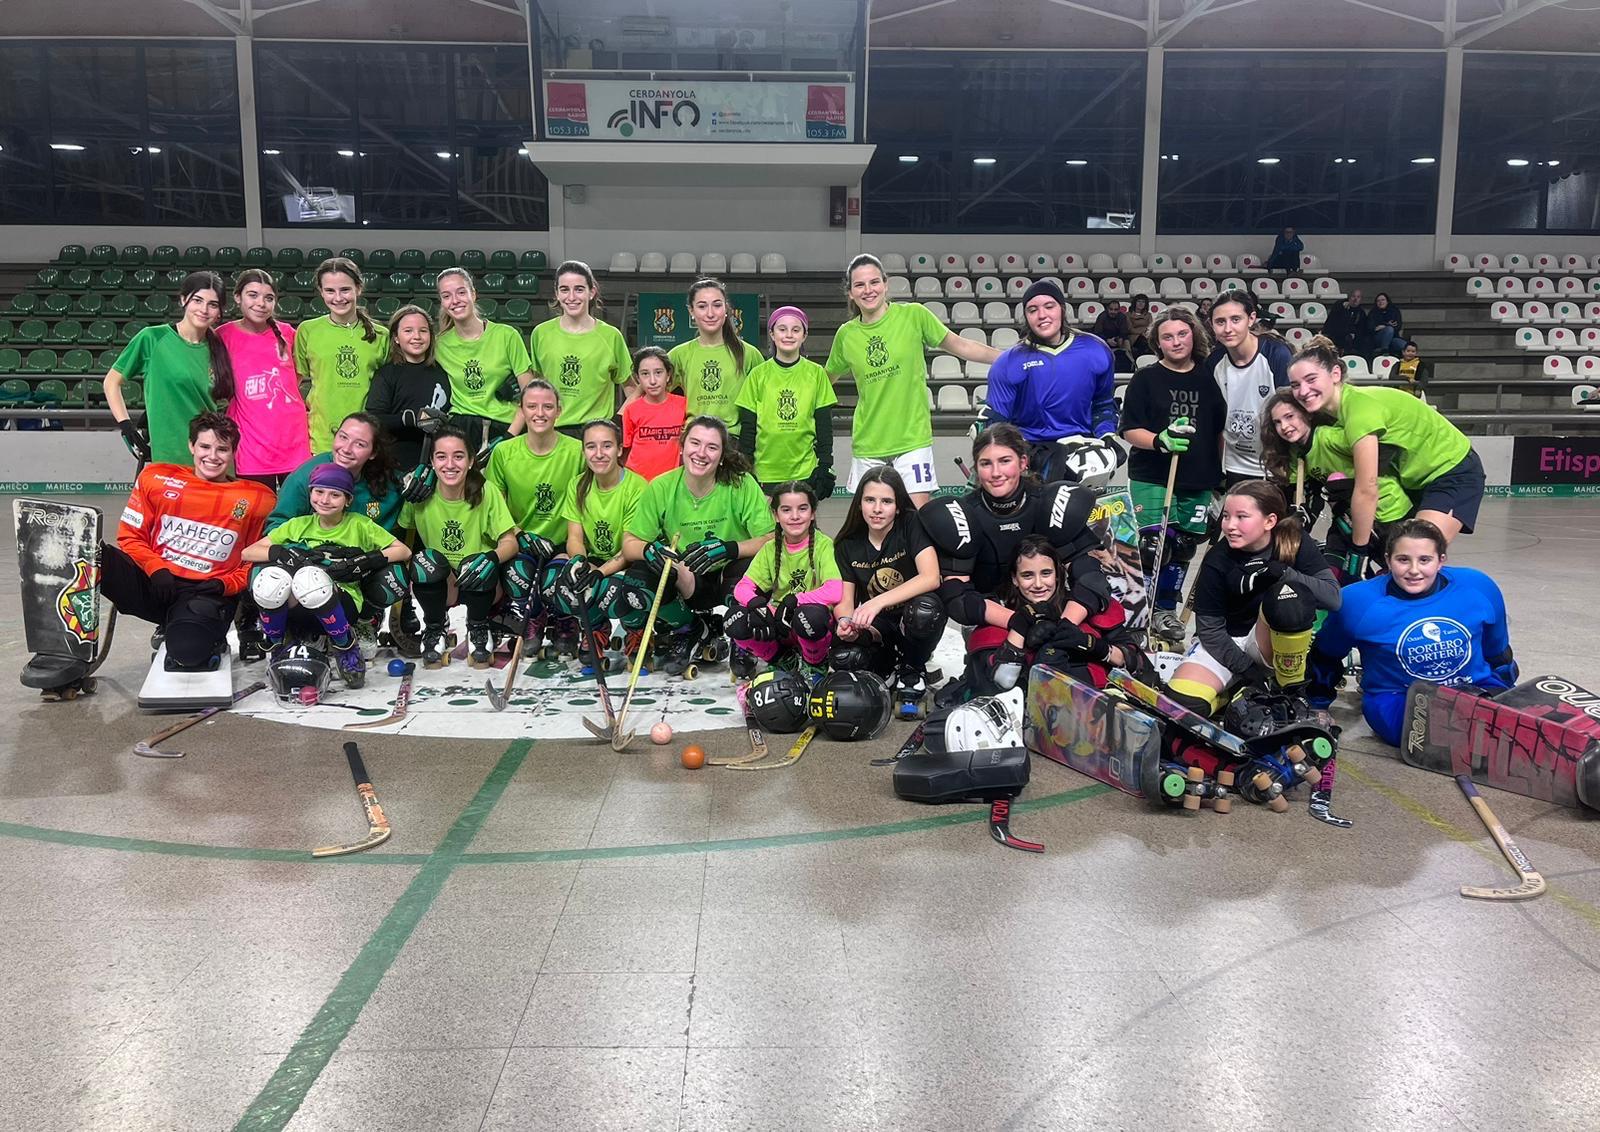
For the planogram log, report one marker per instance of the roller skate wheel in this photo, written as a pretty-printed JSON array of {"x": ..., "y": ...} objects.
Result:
[
  {"x": 1225, "y": 779},
  {"x": 1195, "y": 774},
  {"x": 1277, "y": 803},
  {"x": 1308, "y": 772},
  {"x": 1191, "y": 801},
  {"x": 1262, "y": 781},
  {"x": 1322, "y": 748},
  {"x": 691, "y": 672},
  {"x": 1222, "y": 804},
  {"x": 1172, "y": 785}
]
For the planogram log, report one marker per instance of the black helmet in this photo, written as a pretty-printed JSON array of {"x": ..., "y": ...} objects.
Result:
[
  {"x": 778, "y": 701},
  {"x": 299, "y": 668},
  {"x": 851, "y": 705}
]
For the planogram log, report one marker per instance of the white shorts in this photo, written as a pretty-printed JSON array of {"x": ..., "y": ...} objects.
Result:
[
  {"x": 915, "y": 467},
  {"x": 1197, "y": 654}
]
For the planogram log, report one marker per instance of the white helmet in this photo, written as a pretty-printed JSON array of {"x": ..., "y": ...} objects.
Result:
[
  {"x": 986, "y": 723},
  {"x": 1084, "y": 460}
]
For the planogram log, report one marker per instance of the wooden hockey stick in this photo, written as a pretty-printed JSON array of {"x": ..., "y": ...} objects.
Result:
[
  {"x": 499, "y": 699},
  {"x": 1532, "y": 883},
  {"x": 378, "y": 828},
  {"x": 147, "y": 747},
  {"x": 620, "y": 738},
  {"x": 402, "y": 700},
  {"x": 796, "y": 749}
]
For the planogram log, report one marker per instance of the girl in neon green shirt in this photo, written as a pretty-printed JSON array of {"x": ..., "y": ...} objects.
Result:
[
  {"x": 584, "y": 358},
  {"x": 338, "y": 352},
  {"x": 487, "y": 361},
  {"x": 711, "y": 367}
]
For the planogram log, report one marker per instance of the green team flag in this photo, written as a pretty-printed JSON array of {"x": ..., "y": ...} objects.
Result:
[{"x": 664, "y": 318}]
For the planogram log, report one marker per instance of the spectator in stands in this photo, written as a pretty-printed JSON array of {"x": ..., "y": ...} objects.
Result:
[
  {"x": 1346, "y": 326},
  {"x": 1139, "y": 326},
  {"x": 1202, "y": 311},
  {"x": 1286, "y": 250},
  {"x": 1113, "y": 329},
  {"x": 1384, "y": 325},
  {"x": 1413, "y": 369}
]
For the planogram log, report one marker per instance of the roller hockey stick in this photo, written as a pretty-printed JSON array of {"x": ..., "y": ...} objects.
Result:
[
  {"x": 497, "y": 698},
  {"x": 111, "y": 618},
  {"x": 402, "y": 700},
  {"x": 378, "y": 829},
  {"x": 1000, "y": 828},
  {"x": 620, "y": 738},
  {"x": 908, "y": 748},
  {"x": 1532, "y": 883},
  {"x": 1161, "y": 549},
  {"x": 758, "y": 741},
  {"x": 609, "y": 731},
  {"x": 796, "y": 749},
  {"x": 147, "y": 747}
]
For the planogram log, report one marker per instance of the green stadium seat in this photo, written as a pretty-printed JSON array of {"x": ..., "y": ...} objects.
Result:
[
  {"x": 525, "y": 283},
  {"x": 56, "y": 304},
  {"x": 428, "y": 281},
  {"x": 67, "y": 332},
  {"x": 25, "y": 303},
  {"x": 400, "y": 283},
  {"x": 128, "y": 329},
  {"x": 315, "y": 256},
  {"x": 99, "y": 332},
  {"x": 533, "y": 261},
  {"x": 164, "y": 256},
  {"x": 30, "y": 332},
  {"x": 10, "y": 361},
  {"x": 288, "y": 259},
  {"x": 173, "y": 278},
  {"x": 227, "y": 258},
  {"x": 373, "y": 285},
  {"x": 195, "y": 255},
  {"x": 89, "y": 304},
  {"x": 70, "y": 255},
  {"x": 79, "y": 279},
  {"x": 354, "y": 255},
  {"x": 156, "y": 306},
  {"x": 42, "y": 360},
  {"x": 381, "y": 259},
  {"x": 473, "y": 260},
  {"x": 442, "y": 259},
  {"x": 81, "y": 394},
  {"x": 502, "y": 261},
  {"x": 385, "y": 307},
  {"x": 488, "y": 308},
  {"x": 105, "y": 359},
  {"x": 290, "y": 306},
  {"x": 145, "y": 279},
  {"x": 133, "y": 394},
  {"x": 257, "y": 257},
  {"x": 122, "y": 304},
  {"x": 47, "y": 278},
  {"x": 101, "y": 255},
  {"x": 134, "y": 255},
  {"x": 111, "y": 279},
  {"x": 518, "y": 311},
  {"x": 303, "y": 281},
  {"x": 492, "y": 283},
  {"x": 412, "y": 259},
  {"x": 315, "y": 307},
  {"x": 13, "y": 391},
  {"x": 51, "y": 392},
  {"x": 78, "y": 361},
  {"x": 6, "y": 330}
]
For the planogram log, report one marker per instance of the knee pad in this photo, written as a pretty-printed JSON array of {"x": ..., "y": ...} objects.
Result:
[
  {"x": 631, "y": 603},
  {"x": 812, "y": 622},
  {"x": 1183, "y": 545},
  {"x": 853, "y": 656},
  {"x": 923, "y": 617},
  {"x": 549, "y": 576},
  {"x": 1149, "y": 537},
  {"x": 963, "y": 603},
  {"x": 197, "y": 628},
  {"x": 312, "y": 587},
  {"x": 1087, "y": 584},
  {"x": 535, "y": 546},
  {"x": 386, "y": 587},
  {"x": 1288, "y": 608},
  {"x": 271, "y": 587},
  {"x": 429, "y": 567},
  {"x": 518, "y": 577},
  {"x": 1193, "y": 695}
]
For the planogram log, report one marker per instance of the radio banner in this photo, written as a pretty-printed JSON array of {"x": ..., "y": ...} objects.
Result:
[{"x": 625, "y": 110}]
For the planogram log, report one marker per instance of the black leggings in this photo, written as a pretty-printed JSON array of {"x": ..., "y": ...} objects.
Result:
[{"x": 195, "y": 623}]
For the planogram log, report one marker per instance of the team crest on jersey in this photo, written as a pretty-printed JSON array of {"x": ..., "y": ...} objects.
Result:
[
  {"x": 877, "y": 352},
  {"x": 544, "y": 499},
  {"x": 346, "y": 364},
  {"x": 373, "y": 510},
  {"x": 604, "y": 540},
  {"x": 1434, "y": 649},
  {"x": 788, "y": 408},
  {"x": 711, "y": 376},
  {"x": 884, "y": 579},
  {"x": 797, "y": 579},
  {"x": 452, "y": 540},
  {"x": 665, "y": 321},
  {"x": 1262, "y": 390},
  {"x": 571, "y": 371},
  {"x": 241, "y": 508},
  {"x": 75, "y": 604},
  {"x": 472, "y": 375}
]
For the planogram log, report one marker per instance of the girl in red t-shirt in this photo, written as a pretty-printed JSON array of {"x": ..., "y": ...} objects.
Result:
[{"x": 652, "y": 423}]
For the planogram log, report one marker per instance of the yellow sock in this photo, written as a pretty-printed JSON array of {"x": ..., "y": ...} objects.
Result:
[
  {"x": 1289, "y": 652},
  {"x": 1193, "y": 690}
]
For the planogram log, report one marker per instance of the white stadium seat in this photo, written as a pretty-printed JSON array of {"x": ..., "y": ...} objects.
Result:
[
  {"x": 1383, "y": 365},
  {"x": 713, "y": 263},
  {"x": 939, "y": 311},
  {"x": 1355, "y": 366},
  {"x": 1139, "y": 363},
  {"x": 977, "y": 369},
  {"x": 1265, "y": 288},
  {"x": 1162, "y": 264},
  {"x": 1485, "y": 263},
  {"x": 774, "y": 264},
  {"x": 958, "y": 287},
  {"x": 1558, "y": 365},
  {"x": 1017, "y": 286},
  {"x": 893, "y": 262},
  {"x": 1143, "y": 285},
  {"x": 1041, "y": 264},
  {"x": 1014, "y": 263},
  {"x": 1311, "y": 265},
  {"x": 952, "y": 399},
  {"x": 1004, "y": 338},
  {"x": 1156, "y": 307},
  {"x": 743, "y": 263},
  {"x": 1529, "y": 339},
  {"x": 982, "y": 264},
  {"x": 1587, "y": 367},
  {"x": 1080, "y": 287},
  {"x": 996, "y": 314},
  {"x": 946, "y": 368},
  {"x": 1233, "y": 283},
  {"x": 1071, "y": 263},
  {"x": 1536, "y": 312},
  {"x": 1327, "y": 287},
  {"x": 1504, "y": 310},
  {"x": 1203, "y": 288},
  {"x": 1219, "y": 264},
  {"x": 1284, "y": 313},
  {"x": 928, "y": 287},
  {"x": 1511, "y": 287},
  {"x": 952, "y": 264},
  {"x": 1250, "y": 264},
  {"x": 1585, "y": 397},
  {"x": 1130, "y": 263},
  {"x": 1573, "y": 264},
  {"x": 624, "y": 262},
  {"x": 989, "y": 287},
  {"x": 1174, "y": 289},
  {"x": 924, "y": 264},
  {"x": 973, "y": 334},
  {"x": 899, "y": 287},
  {"x": 1191, "y": 263},
  {"x": 1297, "y": 337},
  {"x": 1088, "y": 312},
  {"x": 1101, "y": 264},
  {"x": 1571, "y": 286},
  {"x": 980, "y": 396},
  {"x": 1543, "y": 286},
  {"x": 1517, "y": 263},
  {"x": 1112, "y": 287},
  {"x": 965, "y": 314},
  {"x": 1480, "y": 287},
  {"x": 1567, "y": 312},
  {"x": 1546, "y": 264},
  {"x": 1591, "y": 312},
  {"x": 653, "y": 263},
  {"x": 1588, "y": 338},
  {"x": 1296, "y": 290},
  {"x": 1458, "y": 262},
  {"x": 1313, "y": 314},
  {"x": 684, "y": 263}
]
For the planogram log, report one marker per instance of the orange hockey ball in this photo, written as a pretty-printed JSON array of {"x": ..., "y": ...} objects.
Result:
[{"x": 694, "y": 756}]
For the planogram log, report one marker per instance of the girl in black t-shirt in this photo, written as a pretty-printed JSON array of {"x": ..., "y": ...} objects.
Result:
[
  {"x": 410, "y": 394},
  {"x": 890, "y": 619}
]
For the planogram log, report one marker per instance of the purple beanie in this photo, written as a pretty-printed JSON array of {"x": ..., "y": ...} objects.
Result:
[{"x": 334, "y": 476}]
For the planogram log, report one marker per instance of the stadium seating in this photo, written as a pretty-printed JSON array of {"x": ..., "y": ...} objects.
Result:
[
  {"x": 1589, "y": 338},
  {"x": 1567, "y": 312},
  {"x": 892, "y": 262},
  {"x": 1265, "y": 288},
  {"x": 1101, "y": 264},
  {"x": 1112, "y": 287},
  {"x": 1284, "y": 313},
  {"x": 952, "y": 264},
  {"x": 1504, "y": 310},
  {"x": 1142, "y": 285},
  {"x": 1004, "y": 338},
  {"x": 1327, "y": 287},
  {"x": 743, "y": 263},
  {"x": 1017, "y": 286},
  {"x": 1296, "y": 290},
  {"x": 1484, "y": 263},
  {"x": 624, "y": 263},
  {"x": 952, "y": 398},
  {"x": 1355, "y": 366},
  {"x": 1041, "y": 264},
  {"x": 653, "y": 263},
  {"x": 1588, "y": 367},
  {"x": 1250, "y": 264},
  {"x": 958, "y": 287},
  {"x": 1518, "y": 264},
  {"x": 1174, "y": 289},
  {"x": 1458, "y": 262},
  {"x": 774, "y": 264},
  {"x": 1480, "y": 287},
  {"x": 1130, "y": 263},
  {"x": 988, "y": 287},
  {"x": 928, "y": 287},
  {"x": 1510, "y": 287},
  {"x": 713, "y": 263},
  {"x": 1383, "y": 365},
  {"x": 1562, "y": 338},
  {"x": 1203, "y": 288},
  {"x": 996, "y": 314},
  {"x": 1536, "y": 312},
  {"x": 1190, "y": 263},
  {"x": 1297, "y": 337},
  {"x": 924, "y": 264},
  {"x": 1162, "y": 264},
  {"x": 945, "y": 368},
  {"x": 1071, "y": 263},
  {"x": 965, "y": 314},
  {"x": 982, "y": 264},
  {"x": 938, "y": 310},
  {"x": 973, "y": 334},
  {"x": 899, "y": 287},
  {"x": 1558, "y": 366},
  {"x": 1311, "y": 265},
  {"x": 1573, "y": 264},
  {"x": 683, "y": 263},
  {"x": 977, "y": 369},
  {"x": 1529, "y": 339},
  {"x": 1089, "y": 311},
  {"x": 1080, "y": 287}
]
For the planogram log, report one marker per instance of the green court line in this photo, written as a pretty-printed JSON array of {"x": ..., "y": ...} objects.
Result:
[
  {"x": 283, "y": 1094},
  {"x": 961, "y": 816}
]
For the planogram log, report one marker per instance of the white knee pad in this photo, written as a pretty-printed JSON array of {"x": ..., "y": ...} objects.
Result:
[
  {"x": 313, "y": 588},
  {"x": 270, "y": 587}
]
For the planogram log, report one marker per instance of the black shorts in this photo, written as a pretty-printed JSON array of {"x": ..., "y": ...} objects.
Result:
[{"x": 1458, "y": 492}]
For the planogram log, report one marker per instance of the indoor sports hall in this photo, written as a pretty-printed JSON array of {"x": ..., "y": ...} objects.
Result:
[{"x": 519, "y": 881}]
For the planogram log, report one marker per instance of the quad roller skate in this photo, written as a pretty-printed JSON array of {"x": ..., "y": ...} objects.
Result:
[
  {"x": 404, "y": 634},
  {"x": 599, "y": 645},
  {"x": 1166, "y": 631},
  {"x": 436, "y": 647},
  {"x": 744, "y": 665},
  {"x": 480, "y": 644},
  {"x": 565, "y": 640},
  {"x": 631, "y": 641},
  {"x": 699, "y": 642},
  {"x": 910, "y": 693},
  {"x": 352, "y": 666}
]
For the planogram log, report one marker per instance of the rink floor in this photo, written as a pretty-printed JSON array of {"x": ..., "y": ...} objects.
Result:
[{"x": 561, "y": 937}]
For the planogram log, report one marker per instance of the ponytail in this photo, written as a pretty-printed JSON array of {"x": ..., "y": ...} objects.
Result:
[
  {"x": 339, "y": 265},
  {"x": 586, "y": 477},
  {"x": 730, "y": 337},
  {"x": 1323, "y": 351},
  {"x": 1268, "y": 497}
]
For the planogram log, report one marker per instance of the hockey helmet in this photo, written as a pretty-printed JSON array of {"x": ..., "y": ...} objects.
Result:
[
  {"x": 779, "y": 701},
  {"x": 1084, "y": 460},
  {"x": 301, "y": 667},
  {"x": 982, "y": 724},
  {"x": 851, "y": 705}
]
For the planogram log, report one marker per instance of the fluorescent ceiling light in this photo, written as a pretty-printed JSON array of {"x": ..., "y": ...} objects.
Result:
[
  {"x": 1076, "y": 161},
  {"x": 983, "y": 160},
  {"x": 67, "y": 147},
  {"x": 1552, "y": 164},
  {"x": 347, "y": 153},
  {"x": 1422, "y": 160},
  {"x": 272, "y": 152},
  {"x": 1266, "y": 160},
  {"x": 444, "y": 153},
  {"x": 1516, "y": 162},
  {"x": 909, "y": 159}
]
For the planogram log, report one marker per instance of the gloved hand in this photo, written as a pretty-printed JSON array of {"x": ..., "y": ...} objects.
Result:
[
  {"x": 419, "y": 484},
  {"x": 784, "y": 613},
  {"x": 481, "y": 460},
  {"x": 430, "y": 420},
  {"x": 291, "y": 558},
  {"x": 709, "y": 556},
  {"x": 1298, "y": 511},
  {"x": 1176, "y": 436},
  {"x": 1357, "y": 561},
  {"x": 1251, "y": 577},
  {"x": 348, "y": 568},
  {"x": 660, "y": 556},
  {"x": 823, "y": 482},
  {"x": 577, "y": 574},
  {"x": 477, "y": 572},
  {"x": 137, "y": 443}
]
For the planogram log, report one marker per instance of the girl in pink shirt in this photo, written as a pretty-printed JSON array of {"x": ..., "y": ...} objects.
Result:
[{"x": 274, "y": 433}]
